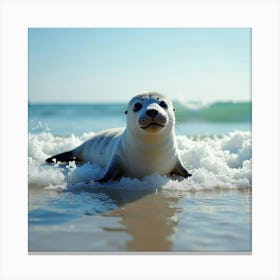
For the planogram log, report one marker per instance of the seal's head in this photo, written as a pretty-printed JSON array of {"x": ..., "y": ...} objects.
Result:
[{"x": 150, "y": 113}]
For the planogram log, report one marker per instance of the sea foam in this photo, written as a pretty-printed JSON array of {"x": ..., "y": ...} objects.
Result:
[{"x": 216, "y": 162}]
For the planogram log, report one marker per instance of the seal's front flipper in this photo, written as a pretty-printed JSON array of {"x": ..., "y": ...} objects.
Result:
[
  {"x": 64, "y": 157},
  {"x": 112, "y": 172},
  {"x": 180, "y": 170}
]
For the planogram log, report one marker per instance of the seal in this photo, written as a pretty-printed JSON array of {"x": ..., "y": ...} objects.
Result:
[{"x": 147, "y": 145}]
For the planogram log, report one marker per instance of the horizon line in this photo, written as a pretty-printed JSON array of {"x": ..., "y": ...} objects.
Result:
[{"x": 122, "y": 102}]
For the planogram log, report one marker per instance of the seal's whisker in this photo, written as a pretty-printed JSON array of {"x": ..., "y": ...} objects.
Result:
[{"x": 178, "y": 129}]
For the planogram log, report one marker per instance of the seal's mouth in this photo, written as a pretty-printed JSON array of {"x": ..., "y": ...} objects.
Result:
[{"x": 152, "y": 125}]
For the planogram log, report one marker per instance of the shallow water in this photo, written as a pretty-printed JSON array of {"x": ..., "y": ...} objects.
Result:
[
  {"x": 117, "y": 221},
  {"x": 209, "y": 212}
]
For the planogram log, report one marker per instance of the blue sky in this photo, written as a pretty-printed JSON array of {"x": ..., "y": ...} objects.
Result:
[{"x": 113, "y": 64}]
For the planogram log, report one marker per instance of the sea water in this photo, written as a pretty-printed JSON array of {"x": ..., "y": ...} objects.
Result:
[{"x": 208, "y": 212}]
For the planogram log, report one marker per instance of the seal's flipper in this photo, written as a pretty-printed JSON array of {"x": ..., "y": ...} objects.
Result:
[
  {"x": 64, "y": 157},
  {"x": 180, "y": 170},
  {"x": 112, "y": 172}
]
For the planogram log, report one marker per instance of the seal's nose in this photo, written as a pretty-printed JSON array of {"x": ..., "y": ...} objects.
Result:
[{"x": 152, "y": 113}]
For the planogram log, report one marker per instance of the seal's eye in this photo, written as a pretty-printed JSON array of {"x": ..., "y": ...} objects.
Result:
[
  {"x": 137, "y": 107},
  {"x": 163, "y": 104}
]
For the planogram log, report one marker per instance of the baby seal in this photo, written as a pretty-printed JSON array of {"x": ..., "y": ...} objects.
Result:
[{"x": 147, "y": 145}]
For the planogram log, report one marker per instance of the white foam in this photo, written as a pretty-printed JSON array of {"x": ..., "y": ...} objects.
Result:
[
  {"x": 39, "y": 175},
  {"x": 215, "y": 163}
]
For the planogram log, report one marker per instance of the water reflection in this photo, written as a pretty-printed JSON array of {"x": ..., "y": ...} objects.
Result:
[
  {"x": 150, "y": 221},
  {"x": 144, "y": 221},
  {"x": 218, "y": 221}
]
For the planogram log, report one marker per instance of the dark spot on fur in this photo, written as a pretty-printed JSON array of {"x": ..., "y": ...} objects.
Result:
[
  {"x": 107, "y": 142},
  {"x": 99, "y": 140}
]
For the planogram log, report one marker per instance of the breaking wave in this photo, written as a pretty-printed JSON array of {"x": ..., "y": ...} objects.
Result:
[{"x": 216, "y": 162}]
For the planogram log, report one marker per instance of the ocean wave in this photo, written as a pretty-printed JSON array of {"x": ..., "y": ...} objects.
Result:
[
  {"x": 213, "y": 112},
  {"x": 185, "y": 112},
  {"x": 216, "y": 162}
]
